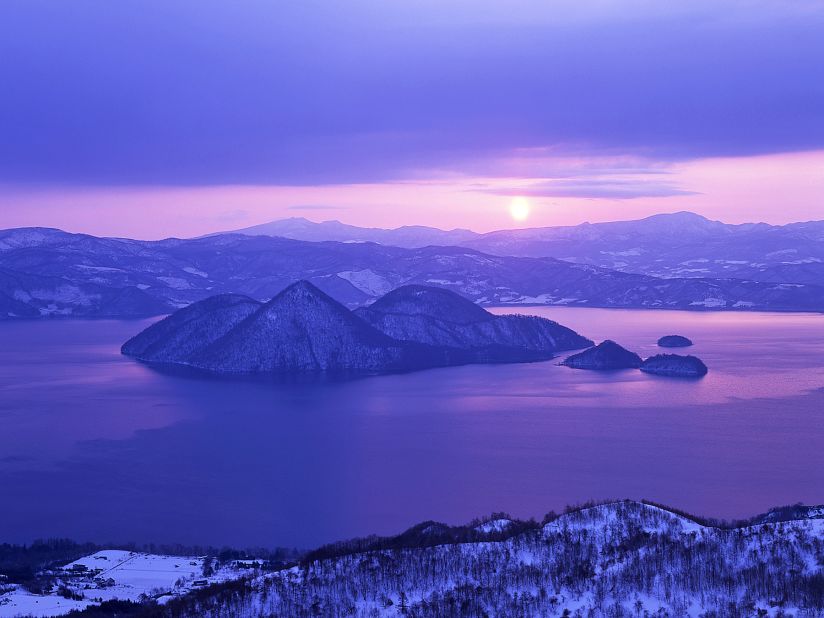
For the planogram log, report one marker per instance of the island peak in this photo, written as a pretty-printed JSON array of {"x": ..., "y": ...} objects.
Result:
[{"x": 606, "y": 355}]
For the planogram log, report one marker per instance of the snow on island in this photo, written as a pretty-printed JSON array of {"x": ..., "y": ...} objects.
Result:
[{"x": 302, "y": 330}]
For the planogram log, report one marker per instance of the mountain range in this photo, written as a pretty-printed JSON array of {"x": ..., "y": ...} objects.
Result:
[
  {"x": 680, "y": 244},
  {"x": 408, "y": 236},
  {"x": 48, "y": 272},
  {"x": 303, "y": 330}
]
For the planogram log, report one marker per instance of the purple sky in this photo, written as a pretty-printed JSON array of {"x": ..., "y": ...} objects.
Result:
[{"x": 176, "y": 118}]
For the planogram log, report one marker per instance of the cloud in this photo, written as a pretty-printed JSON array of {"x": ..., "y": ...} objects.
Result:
[
  {"x": 186, "y": 93},
  {"x": 316, "y": 207},
  {"x": 595, "y": 188}
]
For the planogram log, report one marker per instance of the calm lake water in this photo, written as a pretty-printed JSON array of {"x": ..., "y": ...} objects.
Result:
[{"x": 94, "y": 446}]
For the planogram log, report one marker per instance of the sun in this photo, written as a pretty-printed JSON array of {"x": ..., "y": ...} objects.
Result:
[{"x": 519, "y": 208}]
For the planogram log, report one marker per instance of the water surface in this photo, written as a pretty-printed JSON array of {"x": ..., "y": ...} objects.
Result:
[{"x": 96, "y": 446}]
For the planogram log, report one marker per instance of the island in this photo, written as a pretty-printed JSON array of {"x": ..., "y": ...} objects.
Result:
[
  {"x": 675, "y": 366},
  {"x": 605, "y": 356},
  {"x": 674, "y": 341},
  {"x": 302, "y": 330}
]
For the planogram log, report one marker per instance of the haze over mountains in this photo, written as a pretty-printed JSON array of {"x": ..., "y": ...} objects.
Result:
[
  {"x": 681, "y": 244},
  {"x": 683, "y": 261},
  {"x": 409, "y": 236}
]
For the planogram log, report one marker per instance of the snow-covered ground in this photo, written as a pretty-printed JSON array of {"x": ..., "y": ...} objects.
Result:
[
  {"x": 367, "y": 281},
  {"x": 494, "y": 525},
  {"x": 618, "y": 559},
  {"x": 19, "y": 602},
  {"x": 117, "y": 574}
]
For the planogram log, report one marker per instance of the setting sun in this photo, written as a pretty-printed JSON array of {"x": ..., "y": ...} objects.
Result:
[{"x": 519, "y": 208}]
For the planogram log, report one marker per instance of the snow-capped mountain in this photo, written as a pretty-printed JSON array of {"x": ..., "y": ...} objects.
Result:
[
  {"x": 677, "y": 245},
  {"x": 617, "y": 559},
  {"x": 304, "y": 330},
  {"x": 437, "y": 316},
  {"x": 680, "y": 244},
  {"x": 53, "y": 273}
]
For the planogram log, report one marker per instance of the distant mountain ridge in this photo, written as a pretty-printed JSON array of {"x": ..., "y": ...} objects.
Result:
[
  {"x": 46, "y": 272},
  {"x": 681, "y": 244},
  {"x": 408, "y": 236},
  {"x": 303, "y": 330}
]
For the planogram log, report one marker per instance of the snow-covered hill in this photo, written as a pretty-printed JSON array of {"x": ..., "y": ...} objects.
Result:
[
  {"x": 435, "y": 316},
  {"x": 186, "y": 333},
  {"x": 621, "y": 558},
  {"x": 618, "y": 559}
]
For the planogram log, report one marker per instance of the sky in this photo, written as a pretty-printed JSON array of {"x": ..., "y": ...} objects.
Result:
[{"x": 177, "y": 118}]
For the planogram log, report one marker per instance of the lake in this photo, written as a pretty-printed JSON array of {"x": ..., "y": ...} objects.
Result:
[{"x": 96, "y": 446}]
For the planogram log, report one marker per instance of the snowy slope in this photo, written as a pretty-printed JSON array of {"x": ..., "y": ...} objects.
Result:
[
  {"x": 618, "y": 559},
  {"x": 181, "y": 336}
]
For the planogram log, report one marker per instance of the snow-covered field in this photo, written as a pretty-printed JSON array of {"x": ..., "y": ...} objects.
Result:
[
  {"x": 116, "y": 574},
  {"x": 21, "y": 603}
]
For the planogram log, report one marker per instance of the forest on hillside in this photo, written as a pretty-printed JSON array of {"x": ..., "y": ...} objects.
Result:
[{"x": 619, "y": 559}]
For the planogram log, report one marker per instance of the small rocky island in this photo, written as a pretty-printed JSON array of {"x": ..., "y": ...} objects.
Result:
[
  {"x": 304, "y": 330},
  {"x": 675, "y": 366},
  {"x": 609, "y": 355},
  {"x": 605, "y": 356},
  {"x": 674, "y": 341}
]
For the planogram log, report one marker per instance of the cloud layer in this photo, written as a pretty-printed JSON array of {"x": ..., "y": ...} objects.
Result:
[
  {"x": 596, "y": 188},
  {"x": 312, "y": 93}
]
